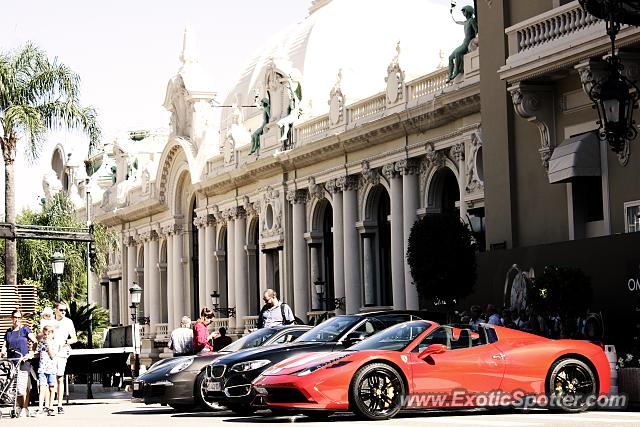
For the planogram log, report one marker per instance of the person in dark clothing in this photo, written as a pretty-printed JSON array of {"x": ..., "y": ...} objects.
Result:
[{"x": 221, "y": 341}]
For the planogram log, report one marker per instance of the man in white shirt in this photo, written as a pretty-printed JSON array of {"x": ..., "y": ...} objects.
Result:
[
  {"x": 274, "y": 312},
  {"x": 181, "y": 339},
  {"x": 64, "y": 335}
]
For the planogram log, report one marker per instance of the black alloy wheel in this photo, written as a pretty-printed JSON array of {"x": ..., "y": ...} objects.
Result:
[
  {"x": 572, "y": 384},
  {"x": 200, "y": 393},
  {"x": 376, "y": 392}
]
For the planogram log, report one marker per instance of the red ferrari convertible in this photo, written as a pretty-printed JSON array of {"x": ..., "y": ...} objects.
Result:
[{"x": 421, "y": 364}]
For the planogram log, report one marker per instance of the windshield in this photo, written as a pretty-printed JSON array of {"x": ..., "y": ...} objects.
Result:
[
  {"x": 254, "y": 339},
  {"x": 395, "y": 338},
  {"x": 329, "y": 330}
]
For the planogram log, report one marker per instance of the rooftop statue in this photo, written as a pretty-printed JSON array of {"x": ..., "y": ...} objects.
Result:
[
  {"x": 255, "y": 137},
  {"x": 456, "y": 62}
]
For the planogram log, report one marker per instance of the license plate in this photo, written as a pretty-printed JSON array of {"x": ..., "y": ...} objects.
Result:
[
  {"x": 214, "y": 386},
  {"x": 136, "y": 386}
]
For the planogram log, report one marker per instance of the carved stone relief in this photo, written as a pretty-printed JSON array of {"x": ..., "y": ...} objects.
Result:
[
  {"x": 394, "y": 79},
  {"x": 536, "y": 104},
  {"x": 315, "y": 190},
  {"x": 336, "y": 102},
  {"x": 369, "y": 175},
  {"x": 271, "y": 213},
  {"x": 475, "y": 174}
]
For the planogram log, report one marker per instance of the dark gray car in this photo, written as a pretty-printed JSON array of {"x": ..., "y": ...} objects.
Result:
[{"x": 179, "y": 381}]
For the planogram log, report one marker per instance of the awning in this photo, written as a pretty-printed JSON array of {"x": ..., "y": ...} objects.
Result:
[{"x": 575, "y": 157}]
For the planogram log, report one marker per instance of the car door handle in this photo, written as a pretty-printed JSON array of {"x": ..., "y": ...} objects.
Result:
[{"x": 497, "y": 356}]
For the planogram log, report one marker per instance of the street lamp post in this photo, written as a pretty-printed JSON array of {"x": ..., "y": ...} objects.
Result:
[
  {"x": 224, "y": 311},
  {"x": 135, "y": 291},
  {"x": 319, "y": 288},
  {"x": 57, "y": 266}
]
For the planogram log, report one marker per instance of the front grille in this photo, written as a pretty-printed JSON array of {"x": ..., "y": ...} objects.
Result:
[
  {"x": 216, "y": 371},
  {"x": 238, "y": 390},
  {"x": 285, "y": 395},
  {"x": 156, "y": 391}
]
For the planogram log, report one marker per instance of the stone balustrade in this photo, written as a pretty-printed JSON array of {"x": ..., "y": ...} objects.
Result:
[
  {"x": 317, "y": 317},
  {"x": 161, "y": 331},
  {"x": 250, "y": 323},
  {"x": 429, "y": 84},
  {"x": 218, "y": 323},
  {"x": 364, "y": 109}
]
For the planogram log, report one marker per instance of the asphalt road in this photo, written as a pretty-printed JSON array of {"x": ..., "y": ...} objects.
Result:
[{"x": 121, "y": 412}]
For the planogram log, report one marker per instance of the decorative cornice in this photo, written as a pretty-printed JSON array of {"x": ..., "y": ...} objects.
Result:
[
  {"x": 297, "y": 196},
  {"x": 536, "y": 104},
  {"x": 348, "y": 183},
  {"x": 457, "y": 152},
  {"x": 332, "y": 186},
  {"x": 408, "y": 167}
]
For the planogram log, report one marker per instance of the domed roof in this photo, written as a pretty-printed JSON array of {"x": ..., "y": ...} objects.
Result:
[{"x": 358, "y": 38}]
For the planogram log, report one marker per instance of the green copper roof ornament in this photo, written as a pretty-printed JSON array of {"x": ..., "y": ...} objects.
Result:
[{"x": 456, "y": 59}]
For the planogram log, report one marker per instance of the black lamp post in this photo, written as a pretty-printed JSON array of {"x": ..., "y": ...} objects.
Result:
[
  {"x": 57, "y": 266},
  {"x": 614, "y": 96},
  {"x": 135, "y": 291},
  {"x": 319, "y": 288},
  {"x": 224, "y": 311}
]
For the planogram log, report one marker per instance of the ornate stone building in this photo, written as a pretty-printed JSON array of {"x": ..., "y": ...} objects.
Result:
[{"x": 338, "y": 135}]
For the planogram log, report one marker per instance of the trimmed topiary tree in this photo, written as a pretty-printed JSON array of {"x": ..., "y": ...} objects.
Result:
[{"x": 442, "y": 258}]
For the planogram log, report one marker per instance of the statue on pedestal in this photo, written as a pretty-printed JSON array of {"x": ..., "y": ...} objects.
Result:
[
  {"x": 456, "y": 59},
  {"x": 266, "y": 113}
]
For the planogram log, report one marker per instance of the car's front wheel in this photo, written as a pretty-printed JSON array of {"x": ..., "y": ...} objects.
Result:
[
  {"x": 570, "y": 383},
  {"x": 376, "y": 392},
  {"x": 200, "y": 393}
]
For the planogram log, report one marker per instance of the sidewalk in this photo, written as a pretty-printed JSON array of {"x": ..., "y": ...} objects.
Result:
[{"x": 78, "y": 394}]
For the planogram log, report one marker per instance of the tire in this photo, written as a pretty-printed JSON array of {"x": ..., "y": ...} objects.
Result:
[
  {"x": 376, "y": 392},
  {"x": 243, "y": 410},
  {"x": 200, "y": 397},
  {"x": 571, "y": 380}
]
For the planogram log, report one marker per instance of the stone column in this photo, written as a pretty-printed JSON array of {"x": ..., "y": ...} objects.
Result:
[
  {"x": 146, "y": 273},
  {"x": 131, "y": 276},
  {"x": 300, "y": 270},
  {"x": 153, "y": 282},
  {"x": 179, "y": 303},
  {"x": 163, "y": 281},
  {"x": 316, "y": 275},
  {"x": 231, "y": 269},
  {"x": 397, "y": 237},
  {"x": 338, "y": 243},
  {"x": 241, "y": 284},
  {"x": 114, "y": 302},
  {"x": 349, "y": 185},
  {"x": 203, "y": 298},
  {"x": 211, "y": 272},
  {"x": 171, "y": 264},
  {"x": 457, "y": 152},
  {"x": 104, "y": 294},
  {"x": 409, "y": 170},
  {"x": 370, "y": 297},
  {"x": 281, "y": 266}
]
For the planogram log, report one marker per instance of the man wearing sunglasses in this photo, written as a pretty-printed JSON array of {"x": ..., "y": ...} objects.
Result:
[{"x": 64, "y": 335}]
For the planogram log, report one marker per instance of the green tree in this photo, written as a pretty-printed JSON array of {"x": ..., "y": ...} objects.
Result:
[
  {"x": 36, "y": 95},
  {"x": 82, "y": 314},
  {"x": 442, "y": 258},
  {"x": 35, "y": 255}
]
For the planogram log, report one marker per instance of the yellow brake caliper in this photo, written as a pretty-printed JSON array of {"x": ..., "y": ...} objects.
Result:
[{"x": 390, "y": 391}]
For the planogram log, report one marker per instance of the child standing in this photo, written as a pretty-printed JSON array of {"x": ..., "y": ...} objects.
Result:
[{"x": 46, "y": 372}]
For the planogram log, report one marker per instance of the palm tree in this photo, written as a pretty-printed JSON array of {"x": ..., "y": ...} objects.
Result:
[{"x": 36, "y": 95}]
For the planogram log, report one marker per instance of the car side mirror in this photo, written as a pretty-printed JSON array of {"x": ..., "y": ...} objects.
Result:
[
  {"x": 432, "y": 349},
  {"x": 354, "y": 338}
]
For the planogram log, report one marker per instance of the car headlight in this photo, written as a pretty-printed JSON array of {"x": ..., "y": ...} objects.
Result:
[
  {"x": 182, "y": 365},
  {"x": 311, "y": 369},
  {"x": 250, "y": 365}
]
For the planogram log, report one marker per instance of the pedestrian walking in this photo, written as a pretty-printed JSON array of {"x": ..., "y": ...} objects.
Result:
[
  {"x": 18, "y": 344},
  {"x": 181, "y": 339},
  {"x": 64, "y": 335},
  {"x": 47, "y": 370},
  {"x": 274, "y": 312}
]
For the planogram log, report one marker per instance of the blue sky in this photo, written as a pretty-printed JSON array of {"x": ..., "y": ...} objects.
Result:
[{"x": 126, "y": 51}]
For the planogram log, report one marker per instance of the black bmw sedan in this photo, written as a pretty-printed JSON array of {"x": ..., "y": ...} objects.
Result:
[
  {"x": 229, "y": 377},
  {"x": 180, "y": 381}
]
